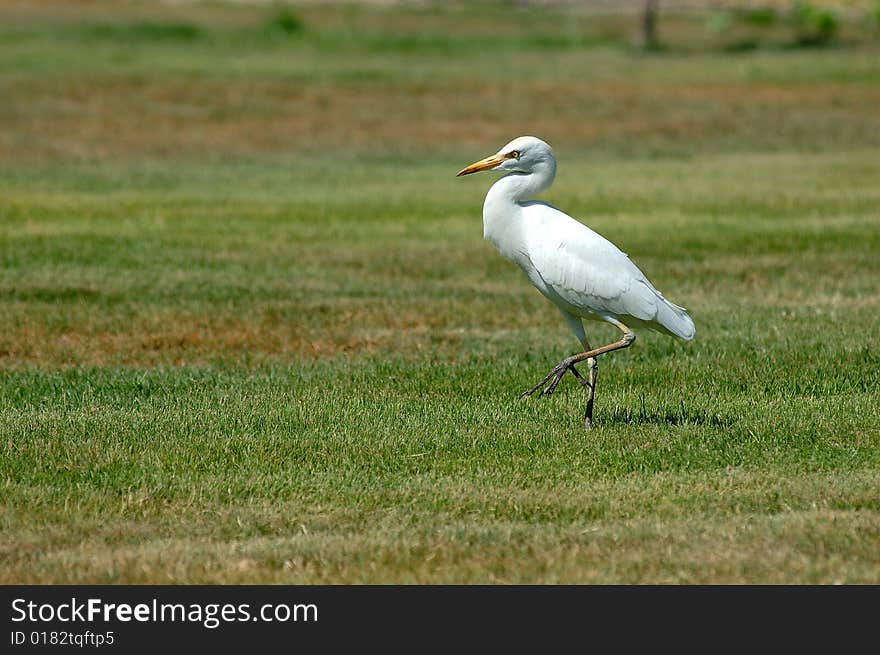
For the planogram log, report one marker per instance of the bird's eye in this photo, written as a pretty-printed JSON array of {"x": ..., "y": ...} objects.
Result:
[{"x": 513, "y": 154}]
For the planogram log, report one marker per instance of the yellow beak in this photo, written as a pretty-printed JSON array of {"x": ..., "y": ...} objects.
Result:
[{"x": 482, "y": 165}]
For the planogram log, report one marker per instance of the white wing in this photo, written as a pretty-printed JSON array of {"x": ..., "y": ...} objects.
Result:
[{"x": 590, "y": 275}]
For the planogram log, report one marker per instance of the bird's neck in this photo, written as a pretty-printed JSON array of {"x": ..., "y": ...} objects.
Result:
[
  {"x": 502, "y": 211},
  {"x": 519, "y": 187}
]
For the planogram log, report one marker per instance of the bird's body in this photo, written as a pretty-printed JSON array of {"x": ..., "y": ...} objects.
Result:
[{"x": 582, "y": 273}]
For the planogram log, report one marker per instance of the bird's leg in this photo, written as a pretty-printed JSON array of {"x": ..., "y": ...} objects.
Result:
[
  {"x": 566, "y": 364},
  {"x": 591, "y": 385},
  {"x": 592, "y": 363}
]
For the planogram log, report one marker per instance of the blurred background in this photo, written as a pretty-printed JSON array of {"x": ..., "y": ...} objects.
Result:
[{"x": 85, "y": 79}]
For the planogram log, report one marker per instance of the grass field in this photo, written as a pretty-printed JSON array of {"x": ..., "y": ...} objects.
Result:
[{"x": 250, "y": 332}]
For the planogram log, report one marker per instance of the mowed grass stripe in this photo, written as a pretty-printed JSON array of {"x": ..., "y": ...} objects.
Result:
[{"x": 811, "y": 527}]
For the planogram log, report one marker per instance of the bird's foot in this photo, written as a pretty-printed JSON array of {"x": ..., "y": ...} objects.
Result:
[
  {"x": 556, "y": 376},
  {"x": 584, "y": 381}
]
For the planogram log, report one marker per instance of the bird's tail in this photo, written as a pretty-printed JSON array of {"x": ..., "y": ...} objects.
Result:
[{"x": 675, "y": 319}]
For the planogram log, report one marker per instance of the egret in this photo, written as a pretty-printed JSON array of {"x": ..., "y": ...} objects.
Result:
[{"x": 582, "y": 273}]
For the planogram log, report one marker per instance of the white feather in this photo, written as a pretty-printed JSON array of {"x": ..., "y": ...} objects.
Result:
[{"x": 591, "y": 276}]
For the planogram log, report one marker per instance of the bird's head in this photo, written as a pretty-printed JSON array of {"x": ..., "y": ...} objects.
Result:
[{"x": 525, "y": 154}]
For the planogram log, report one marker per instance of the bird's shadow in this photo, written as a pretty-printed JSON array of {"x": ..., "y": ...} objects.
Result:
[{"x": 680, "y": 416}]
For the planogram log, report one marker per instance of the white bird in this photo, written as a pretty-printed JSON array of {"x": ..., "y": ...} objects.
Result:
[{"x": 582, "y": 273}]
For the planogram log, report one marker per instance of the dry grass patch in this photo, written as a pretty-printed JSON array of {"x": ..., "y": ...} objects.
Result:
[{"x": 112, "y": 117}]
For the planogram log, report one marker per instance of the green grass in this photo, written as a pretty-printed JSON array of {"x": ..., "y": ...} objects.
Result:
[{"x": 249, "y": 330}]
